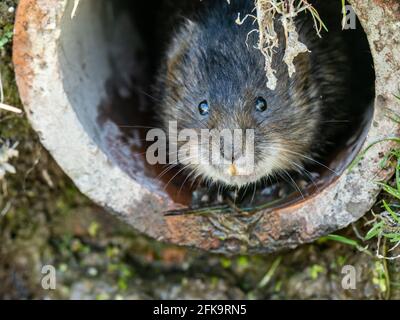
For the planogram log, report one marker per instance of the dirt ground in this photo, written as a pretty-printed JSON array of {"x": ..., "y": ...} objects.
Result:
[{"x": 45, "y": 220}]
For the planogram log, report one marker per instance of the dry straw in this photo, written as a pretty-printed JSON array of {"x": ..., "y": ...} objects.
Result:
[{"x": 284, "y": 11}]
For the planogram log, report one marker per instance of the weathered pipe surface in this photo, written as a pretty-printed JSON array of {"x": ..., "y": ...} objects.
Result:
[{"x": 61, "y": 77}]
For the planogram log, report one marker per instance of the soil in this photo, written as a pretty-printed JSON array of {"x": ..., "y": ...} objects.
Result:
[{"x": 45, "y": 220}]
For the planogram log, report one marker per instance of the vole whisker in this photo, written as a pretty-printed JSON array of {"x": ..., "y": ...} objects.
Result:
[
  {"x": 170, "y": 167},
  {"x": 303, "y": 156},
  {"x": 176, "y": 174},
  {"x": 135, "y": 127},
  {"x": 186, "y": 179},
  {"x": 293, "y": 182},
  {"x": 140, "y": 90}
]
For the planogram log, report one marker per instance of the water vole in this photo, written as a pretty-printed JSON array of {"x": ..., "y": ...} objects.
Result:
[{"x": 212, "y": 78}]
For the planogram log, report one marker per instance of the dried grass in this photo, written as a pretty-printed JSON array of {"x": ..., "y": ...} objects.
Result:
[
  {"x": 7, "y": 152},
  {"x": 4, "y": 106},
  {"x": 267, "y": 12}
]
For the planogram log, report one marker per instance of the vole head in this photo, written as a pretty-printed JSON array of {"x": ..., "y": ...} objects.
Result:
[{"x": 214, "y": 80}]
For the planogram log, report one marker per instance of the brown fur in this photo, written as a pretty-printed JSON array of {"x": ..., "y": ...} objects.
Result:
[{"x": 208, "y": 59}]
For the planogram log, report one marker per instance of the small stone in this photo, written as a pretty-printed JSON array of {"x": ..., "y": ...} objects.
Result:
[{"x": 92, "y": 272}]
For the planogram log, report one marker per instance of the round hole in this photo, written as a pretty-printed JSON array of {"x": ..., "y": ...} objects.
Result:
[{"x": 95, "y": 72}]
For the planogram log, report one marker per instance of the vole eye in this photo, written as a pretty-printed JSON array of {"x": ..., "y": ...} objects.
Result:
[
  {"x": 204, "y": 108},
  {"x": 261, "y": 104}
]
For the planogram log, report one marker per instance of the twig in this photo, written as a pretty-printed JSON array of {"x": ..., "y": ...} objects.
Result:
[
  {"x": 268, "y": 276},
  {"x": 222, "y": 209},
  {"x": 4, "y": 106},
  {"x": 74, "y": 9},
  {"x": 10, "y": 108}
]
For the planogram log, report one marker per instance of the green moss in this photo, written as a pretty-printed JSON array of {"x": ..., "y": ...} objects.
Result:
[
  {"x": 316, "y": 270},
  {"x": 5, "y": 36},
  {"x": 53, "y": 223}
]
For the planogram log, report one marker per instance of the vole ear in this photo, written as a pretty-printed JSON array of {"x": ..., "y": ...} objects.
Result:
[
  {"x": 182, "y": 38},
  {"x": 180, "y": 44}
]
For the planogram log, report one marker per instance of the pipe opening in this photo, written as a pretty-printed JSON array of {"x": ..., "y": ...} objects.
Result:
[{"x": 110, "y": 53}]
